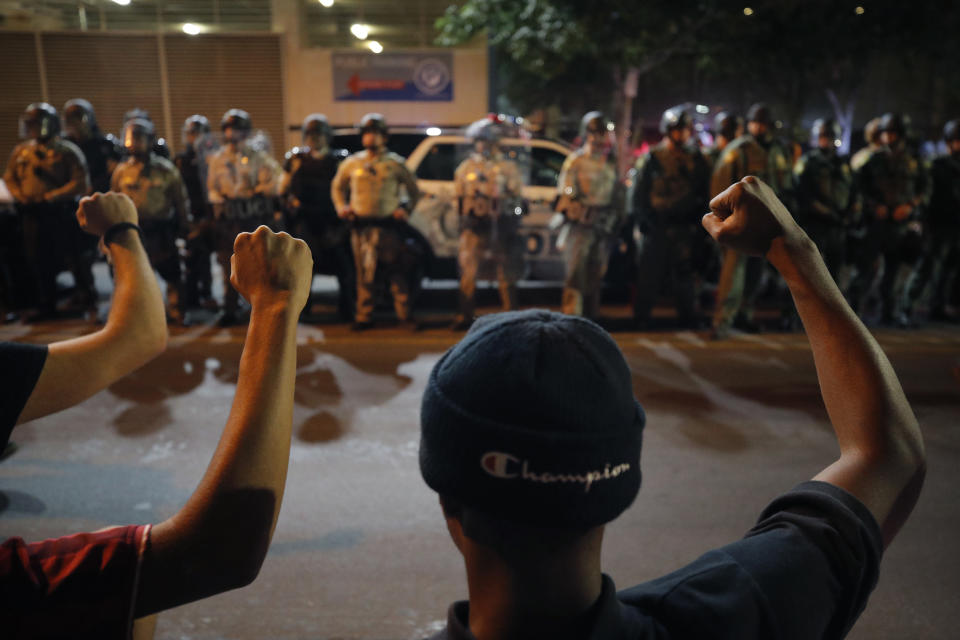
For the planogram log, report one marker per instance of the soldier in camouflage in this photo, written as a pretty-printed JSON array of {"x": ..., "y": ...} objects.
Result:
[
  {"x": 46, "y": 175},
  {"x": 825, "y": 197},
  {"x": 668, "y": 195},
  {"x": 591, "y": 203},
  {"x": 154, "y": 185},
  {"x": 308, "y": 173},
  {"x": 488, "y": 189},
  {"x": 368, "y": 193},
  {"x": 242, "y": 187},
  {"x": 756, "y": 153},
  {"x": 892, "y": 186}
]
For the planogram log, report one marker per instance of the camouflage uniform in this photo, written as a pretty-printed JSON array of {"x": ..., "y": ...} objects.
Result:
[
  {"x": 46, "y": 179},
  {"x": 740, "y": 275},
  {"x": 825, "y": 203},
  {"x": 368, "y": 185},
  {"x": 591, "y": 200},
  {"x": 312, "y": 216},
  {"x": 488, "y": 191},
  {"x": 162, "y": 207},
  {"x": 668, "y": 198},
  {"x": 242, "y": 187},
  {"x": 890, "y": 179}
]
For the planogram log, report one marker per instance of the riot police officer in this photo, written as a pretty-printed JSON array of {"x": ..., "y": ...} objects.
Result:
[
  {"x": 488, "y": 188},
  {"x": 669, "y": 193},
  {"x": 871, "y": 135},
  {"x": 944, "y": 220},
  {"x": 198, "y": 144},
  {"x": 760, "y": 154},
  {"x": 308, "y": 173},
  {"x": 727, "y": 127},
  {"x": 892, "y": 188},
  {"x": 825, "y": 202},
  {"x": 160, "y": 146},
  {"x": 46, "y": 175},
  {"x": 154, "y": 185},
  {"x": 591, "y": 203},
  {"x": 101, "y": 151},
  {"x": 242, "y": 186},
  {"x": 367, "y": 192}
]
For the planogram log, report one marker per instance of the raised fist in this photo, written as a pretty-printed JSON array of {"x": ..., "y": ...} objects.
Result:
[
  {"x": 99, "y": 212},
  {"x": 268, "y": 267},
  {"x": 747, "y": 216}
]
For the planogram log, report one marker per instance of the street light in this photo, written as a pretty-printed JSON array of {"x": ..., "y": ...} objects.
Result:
[
  {"x": 375, "y": 46},
  {"x": 360, "y": 31}
]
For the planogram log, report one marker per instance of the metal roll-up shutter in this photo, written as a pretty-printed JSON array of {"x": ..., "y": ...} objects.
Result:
[
  {"x": 114, "y": 72},
  {"x": 212, "y": 73},
  {"x": 21, "y": 86}
]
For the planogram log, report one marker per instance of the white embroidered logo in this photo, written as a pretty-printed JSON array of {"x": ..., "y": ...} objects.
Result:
[{"x": 508, "y": 467}]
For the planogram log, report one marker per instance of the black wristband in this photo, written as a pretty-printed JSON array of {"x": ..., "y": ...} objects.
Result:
[{"x": 117, "y": 228}]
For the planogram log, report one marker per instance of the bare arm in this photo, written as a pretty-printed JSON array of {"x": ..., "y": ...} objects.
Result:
[
  {"x": 882, "y": 460},
  {"x": 136, "y": 329},
  {"x": 218, "y": 540}
]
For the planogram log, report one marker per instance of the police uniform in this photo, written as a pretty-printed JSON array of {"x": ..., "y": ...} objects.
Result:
[
  {"x": 158, "y": 192},
  {"x": 198, "y": 279},
  {"x": 308, "y": 176},
  {"x": 740, "y": 275},
  {"x": 944, "y": 219},
  {"x": 46, "y": 178},
  {"x": 825, "y": 203},
  {"x": 668, "y": 198},
  {"x": 890, "y": 180},
  {"x": 488, "y": 191},
  {"x": 242, "y": 187},
  {"x": 591, "y": 200},
  {"x": 368, "y": 184}
]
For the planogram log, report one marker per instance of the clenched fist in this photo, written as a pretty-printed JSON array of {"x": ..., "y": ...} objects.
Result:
[
  {"x": 99, "y": 212},
  {"x": 268, "y": 267},
  {"x": 747, "y": 216}
]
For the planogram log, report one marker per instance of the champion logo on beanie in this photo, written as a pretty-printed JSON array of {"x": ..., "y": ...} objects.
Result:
[{"x": 532, "y": 417}]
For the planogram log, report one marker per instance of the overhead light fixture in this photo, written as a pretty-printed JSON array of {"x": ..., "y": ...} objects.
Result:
[
  {"x": 191, "y": 29},
  {"x": 375, "y": 46},
  {"x": 122, "y": 3},
  {"x": 747, "y": 11},
  {"x": 327, "y": 3},
  {"x": 859, "y": 11},
  {"x": 360, "y": 31}
]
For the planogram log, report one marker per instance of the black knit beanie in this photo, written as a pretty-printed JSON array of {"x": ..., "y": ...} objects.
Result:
[{"x": 532, "y": 417}]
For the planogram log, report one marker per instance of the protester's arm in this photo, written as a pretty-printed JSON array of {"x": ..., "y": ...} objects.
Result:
[
  {"x": 882, "y": 460},
  {"x": 136, "y": 329},
  {"x": 218, "y": 540}
]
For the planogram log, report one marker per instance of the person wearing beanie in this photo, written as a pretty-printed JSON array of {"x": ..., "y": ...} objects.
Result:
[{"x": 531, "y": 435}]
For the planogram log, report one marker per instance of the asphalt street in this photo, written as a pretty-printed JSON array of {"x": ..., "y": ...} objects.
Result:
[{"x": 361, "y": 551}]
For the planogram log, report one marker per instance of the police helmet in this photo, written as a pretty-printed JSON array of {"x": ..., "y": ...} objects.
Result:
[
  {"x": 373, "y": 122},
  {"x": 81, "y": 110},
  {"x": 197, "y": 124},
  {"x": 726, "y": 124},
  {"x": 951, "y": 131},
  {"x": 871, "y": 132},
  {"x": 486, "y": 130},
  {"x": 593, "y": 122},
  {"x": 893, "y": 122},
  {"x": 237, "y": 119},
  {"x": 675, "y": 118},
  {"x": 138, "y": 128},
  {"x": 317, "y": 124},
  {"x": 141, "y": 114},
  {"x": 760, "y": 112},
  {"x": 826, "y": 128},
  {"x": 41, "y": 121}
]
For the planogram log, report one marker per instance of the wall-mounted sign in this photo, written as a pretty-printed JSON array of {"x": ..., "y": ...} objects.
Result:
[{"x": 393, "y": 76}]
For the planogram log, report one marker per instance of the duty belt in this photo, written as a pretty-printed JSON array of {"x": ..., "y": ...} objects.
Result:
[{"x": 243, "y": 208}]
